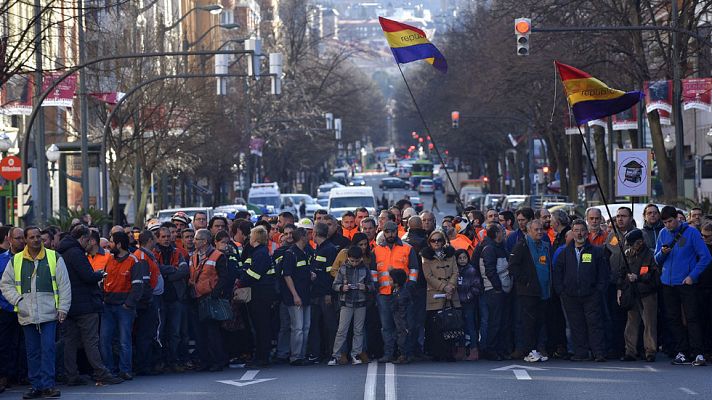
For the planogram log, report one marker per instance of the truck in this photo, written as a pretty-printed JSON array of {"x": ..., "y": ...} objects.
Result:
[{"x": 457, "y": 179}]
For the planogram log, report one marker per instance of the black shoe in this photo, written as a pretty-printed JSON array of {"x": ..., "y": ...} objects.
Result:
[
  {"x": 504, "y": 356},
  {"x": 78, "y": 381},
  {"x": 109, "y": 380},
  {"x": 580, "y": 358},
  {"x": 125, "y": 376},
  {"x": 277, "y": 360},
  {"x": 51, "y": 393},
  {"x": 32, "y": 394},
  {"x": 491, "y": 356},
  {"x": 628, "y": 357},
  {"x": 600, "y": 358},
  {"x": 650, "y": 358},
  {"x": 300, "y": 362},
  {"x": 215, "y": 368}
]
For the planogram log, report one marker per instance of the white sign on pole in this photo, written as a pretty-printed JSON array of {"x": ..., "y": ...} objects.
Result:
[{"x": 633, "y": 172}]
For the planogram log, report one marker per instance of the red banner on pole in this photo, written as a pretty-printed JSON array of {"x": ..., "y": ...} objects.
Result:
[
  {"x": 627, "y": 119},
  {"x": 256, "y": 146},
  {"x": 697, "y": 93},
  {"x": 63, "y": 94},
  {"x": 16, "y": 95}
]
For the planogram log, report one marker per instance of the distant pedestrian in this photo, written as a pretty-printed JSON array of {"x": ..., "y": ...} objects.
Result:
[{"x": 435, "y": 203}]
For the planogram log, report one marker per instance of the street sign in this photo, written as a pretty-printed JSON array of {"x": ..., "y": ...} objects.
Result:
[
  {"x": 633, "y": 172},
  {"x": 11, "y": 168}
]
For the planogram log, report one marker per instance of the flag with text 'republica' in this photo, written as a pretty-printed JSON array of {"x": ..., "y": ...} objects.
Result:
[
  {"x": 409, "y": 44},
  {"x": 591, "y": 99}
]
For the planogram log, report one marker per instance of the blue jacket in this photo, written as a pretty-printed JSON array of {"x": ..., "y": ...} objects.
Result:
[
  {"x": 581, "y": 277},
  {"x": 689, "y": 257},
  {"x": 4, "y": 259},
  {"x": 512, "y": 240}
]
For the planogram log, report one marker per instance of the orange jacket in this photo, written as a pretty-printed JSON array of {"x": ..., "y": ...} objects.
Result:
[
  {"x": 100, "y": 260},
  {"x": 349, "y": 233},
  {"x": 203, "y": 274},
  {"x": 464, "y": 243},
  {"x": 388, "y": 258}
]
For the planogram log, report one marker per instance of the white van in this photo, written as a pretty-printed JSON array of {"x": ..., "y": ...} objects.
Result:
[
  {"x": 266, "y": 196},
  {"x": 342, "y": 199}
]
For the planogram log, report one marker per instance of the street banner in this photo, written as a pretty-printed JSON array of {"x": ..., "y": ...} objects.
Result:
[
  {"x": 256, "y": 146},
  {"x": 665, "y": 118},
  {"x": 110, "y": 98},
  {"x": 63, "y": 94},
  {"x": 627, "y": 119},
  {"x": 633, "y": 172},
  {"x": 658, "y": 96},
  {"x": 569, "y": 124},
  {"x": 697, "y": 94},
  {"x": 16, "y": 95},
  {"x": 599, "y": 122}
]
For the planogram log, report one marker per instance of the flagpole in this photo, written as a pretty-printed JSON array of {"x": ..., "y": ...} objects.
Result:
[{"x": 432, "y": 139}]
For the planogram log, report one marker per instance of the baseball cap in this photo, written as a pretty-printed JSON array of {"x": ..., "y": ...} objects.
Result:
[
  {"x": 305, "y": 223},
  {"x": 390, "y": 226},
  {"x": 633, "y": 236}
]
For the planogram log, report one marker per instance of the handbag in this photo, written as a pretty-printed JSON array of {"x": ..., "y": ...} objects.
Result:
[
  {"x": 628, "y": 298},
  {"x": 449, "y": 321},
  {"x": 215, "y": 309}
]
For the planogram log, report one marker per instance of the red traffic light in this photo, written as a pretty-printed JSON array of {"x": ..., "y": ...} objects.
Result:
[
  {"x": 522, "y": 26},
  {"x": 430, "y": 146},
  {"x": 414, "y": 134},
  {"x": 455, "y": 115},
  {"x": 420, "y": 140}
]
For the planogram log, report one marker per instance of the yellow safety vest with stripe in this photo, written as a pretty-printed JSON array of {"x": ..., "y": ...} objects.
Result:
[{"x": 51, "y": 258}]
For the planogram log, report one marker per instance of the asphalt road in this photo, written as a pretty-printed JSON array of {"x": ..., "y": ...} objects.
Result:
[
  {"x": 460, "y": 380},
  {"x": 394, "y": 195}
]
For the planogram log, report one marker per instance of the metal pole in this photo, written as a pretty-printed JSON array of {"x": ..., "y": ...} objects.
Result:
[
  {"x": 40, "y": 161},
  {"x": 83, "y": 108},
  {"x": 679, "y": 133},
  {"x": 611, "y": 163},
  {"x": 589, "y": 173}
]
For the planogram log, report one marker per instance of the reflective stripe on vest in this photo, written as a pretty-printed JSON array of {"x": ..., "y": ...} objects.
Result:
[
  {"x": 301, "y": 263},
  {"x": 204, "y": 277},
  {"x": 51, "y": 261}
]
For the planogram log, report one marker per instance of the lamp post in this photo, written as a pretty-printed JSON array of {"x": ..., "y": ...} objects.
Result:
[
  {"x": 212, "y": 8},
  {"x": 5, "y": 145},
  {"x": 669, "y": 142},
  {"x": 52, "y": 155},
  {"x": 187, "y": 45}
]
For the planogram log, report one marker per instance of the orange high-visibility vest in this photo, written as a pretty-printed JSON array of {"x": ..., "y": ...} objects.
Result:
[
  {"x": 462, "y": 242},
  {"x": 388, "y": 258},
  {"x": 349, "y": 233},
  {"x": 204, "y": 274}
]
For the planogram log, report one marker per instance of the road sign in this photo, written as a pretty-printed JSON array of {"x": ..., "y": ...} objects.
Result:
[
  {"x": 633, "y": 172},
  {"x": 11, "y": 168}
]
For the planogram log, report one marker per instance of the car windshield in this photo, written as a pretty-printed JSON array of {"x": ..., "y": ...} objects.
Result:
[
  {"x": 265, "y": 200},
  {"x": 351, "y": 202},
  {"x": 299, "y": 197}
]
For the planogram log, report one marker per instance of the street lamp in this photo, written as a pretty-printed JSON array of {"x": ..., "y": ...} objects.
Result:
[
  {"x": 187, "y": 45},
  {"x": 708, "y": 137},
  {"x": 669, "y": 142},
  {"x": 212, "y": 8},
  {"x": 5, "y": 143},
  {"x": 52, "y": 155}
]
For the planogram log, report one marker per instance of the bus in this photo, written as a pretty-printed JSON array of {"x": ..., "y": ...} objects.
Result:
[{"x": 421, "y": 169}]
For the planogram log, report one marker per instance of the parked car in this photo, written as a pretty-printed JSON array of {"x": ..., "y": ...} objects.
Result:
[
  {"x": 357, "y": 181},
  {"x": 311, "y": 204},
  {"x": 324, "y": 189},
  {"x": 426, "y": 186},
  {"x": 393, "y": 183},
  {"x": 438, "y": 182}
]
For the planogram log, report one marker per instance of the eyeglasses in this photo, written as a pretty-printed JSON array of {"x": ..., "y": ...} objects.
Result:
[{"x": 437, "y": 240}]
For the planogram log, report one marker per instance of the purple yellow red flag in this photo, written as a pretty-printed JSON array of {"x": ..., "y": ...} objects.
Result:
[
  {"x": 591, "y": 99},
  {"x": 409, "y": 44}
]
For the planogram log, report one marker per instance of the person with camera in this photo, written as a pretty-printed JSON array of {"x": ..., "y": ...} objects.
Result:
[
  {"x": 683, "y": 256},
  {"x": 352, "y": 282}
]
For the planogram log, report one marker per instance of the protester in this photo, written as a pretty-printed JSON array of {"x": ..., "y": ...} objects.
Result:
[
  {"x": 469, "y": 289},
  {"x": 497, "y": 285}
]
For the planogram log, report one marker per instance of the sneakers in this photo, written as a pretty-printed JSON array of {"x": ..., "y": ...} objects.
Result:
[
  {"x": 680, "y": 359},
  {"x": 33, "y": 394},
  {"x": 356, "y": 360},
  {"x": 333, "y": 361},
  {"x": 51, "y": 393},
  {"x": 535, "y": 356},
  {"x": 699, "y": 361}
]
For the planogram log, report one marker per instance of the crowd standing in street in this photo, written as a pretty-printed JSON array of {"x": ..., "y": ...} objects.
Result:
[{"x": 402, "y": 287}]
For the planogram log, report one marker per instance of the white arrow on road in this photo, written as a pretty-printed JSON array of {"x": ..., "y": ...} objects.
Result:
[
  {"x": 520, "y": 371},
  {"x": 248, "y": 378}
]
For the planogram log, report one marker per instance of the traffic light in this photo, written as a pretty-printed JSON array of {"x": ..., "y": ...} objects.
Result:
[
  {"x": 522, "y": 29},
  {"x": 24, "y": 199},
  {"x": 545, "y": 169},
  {"x": 455, "y": 116}
]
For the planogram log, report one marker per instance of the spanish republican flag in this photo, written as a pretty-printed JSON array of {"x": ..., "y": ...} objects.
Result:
[
  {"x": 409, "y": 43},
  {"x": 590, "y": 98}
]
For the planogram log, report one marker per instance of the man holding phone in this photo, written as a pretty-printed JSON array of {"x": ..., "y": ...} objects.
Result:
[{"x": 683, "y": 256}]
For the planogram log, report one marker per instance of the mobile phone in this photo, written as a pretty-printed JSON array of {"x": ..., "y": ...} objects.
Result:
[{"x": 353, "y": 286}]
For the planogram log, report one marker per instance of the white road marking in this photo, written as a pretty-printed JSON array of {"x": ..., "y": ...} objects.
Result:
[
  {"x": 688, "y": 391},
  {"x": 250, "y": 375},
  {"x": 390, "y": 381},
  {"x": 521, "y": 375},
  {"x": 369, "y": 391},
  {"x": 519, "y": 367}
]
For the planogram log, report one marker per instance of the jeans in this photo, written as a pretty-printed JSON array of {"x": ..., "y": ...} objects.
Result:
[
  {"x": 496, "y": 336},
  {"x": 614, "y": 322},
  {"x": 172, "y": 319},
  {"x": 484, "y": 320},
  {"x": 388, "y": 325},
  {"x": 416, "y": 321},
  {"x": 532, "y": 317},
  {"x": 469, "y": 315},
  {"x": 300, "y": 318},
  {"x": 83, "y": 330},
  {"x": 358, "y": 314},
  {"x": 147, "y": 326},
  {"x": 283, "y": 336},
  {"x": 115, "y": 317},
  {"x": 39, "y": 341}
]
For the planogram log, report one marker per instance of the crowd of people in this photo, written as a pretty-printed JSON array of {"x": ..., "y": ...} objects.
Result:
[{"x": 203, "y": 294}]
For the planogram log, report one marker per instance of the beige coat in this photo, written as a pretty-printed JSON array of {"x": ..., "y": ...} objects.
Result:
[{"x": 438, "y": 274}]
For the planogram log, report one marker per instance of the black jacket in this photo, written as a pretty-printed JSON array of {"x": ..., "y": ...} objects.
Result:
[
  {"x": 648, "y": 282},
  {"x": 321, "y": 265},
  {"x": 418, "y": 239},
  {"x": 175, "y": 278},
  {"x": 491, "y": 252},
  {"x": 523, "y": 270},
  {"x": 651, "y": 232},
  {"x": 86, "y": 293},
  {"x": 258, "y": 272},
  {"x": 581, "y": 279}
]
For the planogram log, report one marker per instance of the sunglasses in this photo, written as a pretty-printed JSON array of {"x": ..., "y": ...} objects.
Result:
[{"x": 437, "y": 240}]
